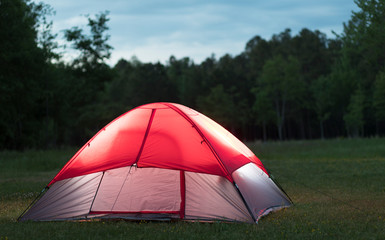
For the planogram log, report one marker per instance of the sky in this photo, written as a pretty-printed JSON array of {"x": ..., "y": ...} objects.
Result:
[{"x": 154, "y": 30}]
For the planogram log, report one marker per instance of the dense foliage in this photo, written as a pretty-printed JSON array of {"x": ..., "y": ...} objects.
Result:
[{"x": 288, "y": 87}]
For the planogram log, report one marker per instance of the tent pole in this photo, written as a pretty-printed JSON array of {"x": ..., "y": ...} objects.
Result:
[
  {"x": 96, "y": 193},
  {"x": 145, "y": 135},
  {"x": 180, "y": 112},
  {"x": 280, "y": 187},
  {"x": 244, "y": 201}
]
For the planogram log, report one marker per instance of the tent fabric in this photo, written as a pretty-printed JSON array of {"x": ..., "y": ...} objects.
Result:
[
  {"x": 161, "y": 161},
  {"x": 221, "y": 199},
  {"x": 173, "y": 143},
  {"x": 161, "y": 135},
  {"x": 252, "y": 181},
  {"x": 108, "y": 148},
  {"x": 122, "y": 191},
  {"x": 232, "y": 152},
  {"x": 67, "y": 199}
]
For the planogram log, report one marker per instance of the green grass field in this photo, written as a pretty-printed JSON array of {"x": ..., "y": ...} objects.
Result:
[{"x": 338, "y": 187}]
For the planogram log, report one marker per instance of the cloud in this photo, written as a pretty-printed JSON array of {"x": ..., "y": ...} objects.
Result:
[
  {"x": 80, "y": 21},
  {"x": 160, "y": 49},
  {"x": 154, "y": 30}
]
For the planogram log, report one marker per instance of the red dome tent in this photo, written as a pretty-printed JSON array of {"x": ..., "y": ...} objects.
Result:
[{"x": 161, "y": 161}]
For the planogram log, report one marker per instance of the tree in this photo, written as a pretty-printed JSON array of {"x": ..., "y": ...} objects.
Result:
[
  {"x": 311, "y": 50},
  {"x": 379, "y": 100},
  {"x": 282, "y": 44},
  {"x": 257, "y": 52},
  {"x": 280, "y": 81},
  {"x": 22, "y": 64},
  {"x": 343, "y": 81},
  {"x": 139, "y": 83},
  {"x": 364, "y": 39},
  {"x": 183, "y": 74},
  {"x": 362, "y": 58},
  {"x": 219, "y": 105},
  {"x": 263, "y": 110},
  {"x": 94, "y": 49},
  {"x": 45, "y": 38},
  {"x": 89, "y": 67},
  {"x": 320, "y": 90},
  {"x": 354, "y": 119},
  {"x": 91, "y": 74}
]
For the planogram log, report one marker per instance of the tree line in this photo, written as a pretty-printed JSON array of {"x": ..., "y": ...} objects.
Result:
[{"x": 301, "y": 86}]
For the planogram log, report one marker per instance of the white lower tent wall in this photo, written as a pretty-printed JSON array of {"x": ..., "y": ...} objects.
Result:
[
  {"x": 211, "y": 197},
  {"x": 153, "y": 193},
  {"x": 67, "y": 199}
]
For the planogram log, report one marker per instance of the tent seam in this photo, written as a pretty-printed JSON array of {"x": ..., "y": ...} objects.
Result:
[
  {"x": 96, "y": 193},
  {"x": 244, "y": 201},
  {"x": 182, "y": 208},
  {"x": 139, "y": 154},
  {"x": 180, "y": 112},
  {"x": 88, "y": 143},
  {"x": 145, "y": 136}
]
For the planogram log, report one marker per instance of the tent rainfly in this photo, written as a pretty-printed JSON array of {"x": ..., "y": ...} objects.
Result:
[{"x": 161, "y": 161}]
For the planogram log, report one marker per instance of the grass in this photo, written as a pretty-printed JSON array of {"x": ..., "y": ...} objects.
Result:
[{"x": 338, "y": 187}]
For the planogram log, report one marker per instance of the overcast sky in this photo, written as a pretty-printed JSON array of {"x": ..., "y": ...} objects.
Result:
[{"x": 154, "y": 30}]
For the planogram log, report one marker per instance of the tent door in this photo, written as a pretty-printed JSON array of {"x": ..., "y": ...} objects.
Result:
[{"x": 139, "y": 190}]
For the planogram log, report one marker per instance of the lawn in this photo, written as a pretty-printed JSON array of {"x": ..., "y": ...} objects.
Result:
[{"x": 338, "y": 189}]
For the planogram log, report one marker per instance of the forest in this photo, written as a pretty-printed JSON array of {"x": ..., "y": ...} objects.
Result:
[{"x": 302, "y": 86}]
